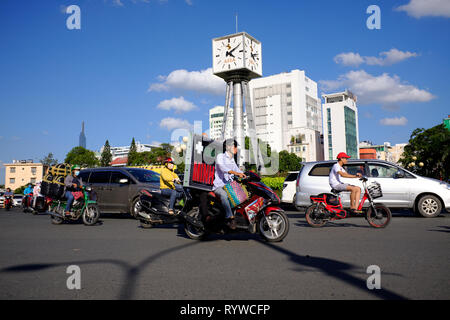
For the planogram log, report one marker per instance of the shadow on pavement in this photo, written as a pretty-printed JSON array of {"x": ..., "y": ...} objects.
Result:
[
  {"x": 445, "y": 229},
  {"x": 336, "y": 269}
]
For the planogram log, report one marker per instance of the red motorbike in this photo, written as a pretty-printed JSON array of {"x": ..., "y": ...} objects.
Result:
[
  {"x": 40, "y": 205},
  {"x": 8, "y": 202},
  {"x": 258, "y": 214},
  {"x": 328, "y": 207}
]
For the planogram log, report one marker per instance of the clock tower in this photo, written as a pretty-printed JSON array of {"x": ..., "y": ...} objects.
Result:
[{"x": 237, "y": 59}]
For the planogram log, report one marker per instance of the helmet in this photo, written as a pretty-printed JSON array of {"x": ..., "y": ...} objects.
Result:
[
  {"x": 76, "y": 167},
  {"x": 168, "y": 160}
]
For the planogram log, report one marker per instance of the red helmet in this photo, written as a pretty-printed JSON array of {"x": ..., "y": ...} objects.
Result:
[
  {"x": 343, "y": 155},
  {"x": 168, "y": 160}
]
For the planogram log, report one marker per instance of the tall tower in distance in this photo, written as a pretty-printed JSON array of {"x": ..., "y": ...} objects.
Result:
[{"x": 82, "y": 140}]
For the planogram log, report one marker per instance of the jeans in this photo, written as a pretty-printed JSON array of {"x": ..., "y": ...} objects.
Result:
[
  {"x": 173, "y": 194},
  {"x": 69, "y": 197},
  {"x": 222, "y": 194}
]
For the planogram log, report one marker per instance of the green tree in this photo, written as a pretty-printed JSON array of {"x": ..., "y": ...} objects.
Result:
[
  {"x": 106, "y": 158},
  {"x": 430, "y": 147},
  {"x": 49, "y": 160},
  {"x": 132, "y": 154},
  {"x": 289, "y": 162},
  {"x": 82, "y": 157}
]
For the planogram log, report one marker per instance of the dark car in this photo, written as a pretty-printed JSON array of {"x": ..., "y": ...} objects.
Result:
[{"x": 118, "y": 188}]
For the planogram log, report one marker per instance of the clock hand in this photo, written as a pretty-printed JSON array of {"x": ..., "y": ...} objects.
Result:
[{"x": 235, "y": 48}]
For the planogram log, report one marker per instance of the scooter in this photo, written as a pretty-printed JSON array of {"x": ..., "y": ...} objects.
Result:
[
  {"x": 38, "y": 205},
  {"x": 8, "y": 202},
  {"x": 27, "y": 202},
  {"x": 153, "y": 207},
  {"x": 85, "y": 207},
  {"x": 258, "y": 214}
]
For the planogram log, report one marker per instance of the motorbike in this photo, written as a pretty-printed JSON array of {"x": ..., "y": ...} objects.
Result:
[
  {"x": 153, "y": 207},
  {"x": 328, "y": 207},
  {"x": 27, "y": 202},
  {"x": 260, "y": 213},
  {"x": 40, "y": 205},
  {"x": 85, "y": 207},
  {"x": 8, "y": 202}
]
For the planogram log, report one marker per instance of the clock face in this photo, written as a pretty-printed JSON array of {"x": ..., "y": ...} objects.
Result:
[
  {"x": 253, "y": 58},
  {"x": 228, "y": 54},
  {"x": 237, "y": 52}
]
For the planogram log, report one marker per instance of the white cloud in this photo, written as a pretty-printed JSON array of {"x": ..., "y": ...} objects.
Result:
[
  {"x": 426, "y": 8},
  {"x": 189, "y": 2},
  {"x": 175, "y": 123},
  {"x": 349, "y": 59},
  {"x": 382, "y": 89},
  {"x": 401, "y": 121},
  {"x": 200, "y": 81},
  {"x": 385, "y": 58},
  {"x": 178, "y": 104}
]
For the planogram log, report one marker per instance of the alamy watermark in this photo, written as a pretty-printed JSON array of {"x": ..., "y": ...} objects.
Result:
[
  {"x": 374, "y": 280},
  {"x": 74, "y": 20},
  {"x": 74, "y": 280},
  {"x": 374, "y": 20}
]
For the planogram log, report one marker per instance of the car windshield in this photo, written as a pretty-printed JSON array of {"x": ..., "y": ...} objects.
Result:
[{"x": 143, "y": 175}]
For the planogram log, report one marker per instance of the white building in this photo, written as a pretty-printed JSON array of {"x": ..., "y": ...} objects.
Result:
[
  {"x": 216, "y": 123},
  {"x": 122, "y": 152},
  {"x": 288, "y": 113},
  {"x": 340, "y": 122}
]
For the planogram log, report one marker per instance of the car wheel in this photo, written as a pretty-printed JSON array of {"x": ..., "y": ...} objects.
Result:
[{"x": 429, "y": 206}]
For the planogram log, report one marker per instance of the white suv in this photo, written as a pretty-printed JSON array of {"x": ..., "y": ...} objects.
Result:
[{"x": 401, "y": 188}]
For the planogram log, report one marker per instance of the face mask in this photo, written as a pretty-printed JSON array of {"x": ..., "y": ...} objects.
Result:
[{"x": 77, "y": 173}]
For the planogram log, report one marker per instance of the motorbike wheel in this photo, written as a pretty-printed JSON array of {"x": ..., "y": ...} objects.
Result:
[
  {"x": 274, "y": 227},
  {"x": 315, "y": 217},
  {"x": 91, "y": 214},
  {"x": 193, "y": 232},
  {"x": 380, "y": 217},
  {"x": 56, "y": 220},
  {"x": 146, "y": 224}
]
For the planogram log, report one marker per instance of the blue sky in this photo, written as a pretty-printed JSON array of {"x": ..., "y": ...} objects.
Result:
[{"x": 122, "y": 74}]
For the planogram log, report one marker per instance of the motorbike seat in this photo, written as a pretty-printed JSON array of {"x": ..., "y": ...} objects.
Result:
[{"x": 336, "y": 191}]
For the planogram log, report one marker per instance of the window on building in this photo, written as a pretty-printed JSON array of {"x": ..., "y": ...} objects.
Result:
[
  {"x": 33, "y": 170},
  {"x": 12, "y": 169},
  {"x": 33, "y": 180},
  {"x": 12, "y": 180}
]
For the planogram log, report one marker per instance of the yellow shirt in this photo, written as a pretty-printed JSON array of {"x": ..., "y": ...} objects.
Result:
[{"x": 166, "y": 179}]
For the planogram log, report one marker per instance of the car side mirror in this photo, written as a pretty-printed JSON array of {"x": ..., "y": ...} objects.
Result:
[
  {"x": 399, "y": 174},
  {"x": 123, "y": 181}
]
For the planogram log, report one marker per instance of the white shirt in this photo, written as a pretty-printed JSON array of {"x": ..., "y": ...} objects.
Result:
[
  {"x": 224, "y": 164},
  {"x": 335, "y": 177}
]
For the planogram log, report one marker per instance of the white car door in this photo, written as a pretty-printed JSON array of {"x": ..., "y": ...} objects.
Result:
[{"x": 396, "y": 192}]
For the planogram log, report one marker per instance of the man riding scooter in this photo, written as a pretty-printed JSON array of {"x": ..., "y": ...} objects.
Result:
[
  {"x": 226, "y": 168},
  {"x": 27, "y": 196},
  {"x": 8, "y": 198},
  {"x": 72, "y": 184}
]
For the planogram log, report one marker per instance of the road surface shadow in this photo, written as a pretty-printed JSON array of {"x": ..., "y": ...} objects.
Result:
[
  {"x": 331, "y": 224},
  {"x": 445, "y": 229},
  {"x": 336, "y": 269}
]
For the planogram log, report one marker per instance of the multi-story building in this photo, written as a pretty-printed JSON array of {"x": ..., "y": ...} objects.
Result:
[
  {"x": 340, "y": 124},
  {"x": 82, "y": 139},
  {"x": 216, "y": 122},
  {"x": 384, "y": 151},
  {"x": 286, "y": 106},
  {"x": 122, "y": 152},
  {"x": 22, "y": 172}
]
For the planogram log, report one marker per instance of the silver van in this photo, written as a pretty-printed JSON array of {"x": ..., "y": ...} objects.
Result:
[{"x": 401, "y": 188}]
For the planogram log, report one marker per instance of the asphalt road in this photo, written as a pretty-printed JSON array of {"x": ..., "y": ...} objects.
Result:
[{"x": 120, "y": 260}]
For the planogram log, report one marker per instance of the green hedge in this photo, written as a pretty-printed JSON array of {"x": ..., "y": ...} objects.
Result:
[{"x": 275, "y": 183}]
